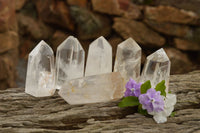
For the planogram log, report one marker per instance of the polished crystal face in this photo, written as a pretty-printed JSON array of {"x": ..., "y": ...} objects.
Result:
[
  {"x": 157, "y": 68},
  {"x": 99, "y": 84},
  {"x": 70, "y": 58},
  {"x": 99, "y": 58},
  {"x": 40, "y": 71},
  {"x": 93, "y": 89},
  {"x": 128, "y": 60}
]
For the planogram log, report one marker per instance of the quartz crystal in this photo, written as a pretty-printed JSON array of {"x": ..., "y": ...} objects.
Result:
[
  {"x": 128, "y": 60},
  {"x": 40, "y": 71},
  {"x": 93, "y": 89},
  {"x": 70, "y": 58},
  {"x": 99, "y": 58},
  {"x": 157, "y": 68}
]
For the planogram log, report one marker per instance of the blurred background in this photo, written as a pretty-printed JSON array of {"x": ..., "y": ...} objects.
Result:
[{"x": 171, "y": 24}]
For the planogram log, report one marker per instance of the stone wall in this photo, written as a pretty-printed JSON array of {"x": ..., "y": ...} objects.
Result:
[
  {"x": 172, "y": 24},
  {"x": 8, "y": 43}
]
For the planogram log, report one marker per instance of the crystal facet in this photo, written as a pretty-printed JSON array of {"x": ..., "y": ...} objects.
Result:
[
  {"x": 40, "y": 71},
  {"x": 157, "y": 68},
  {"x": 70, "y": 58},
  {"x": 128, "y": 60},
  {"x": 93, "y": 89},
  {"x": 99, "y": 58}
]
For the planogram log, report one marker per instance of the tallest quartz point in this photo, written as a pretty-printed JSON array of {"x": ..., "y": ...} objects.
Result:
[
  {"x": 70, "y": 58},
  {"x": 99, "y": 60},
  {"x": 128, "y": 60}
]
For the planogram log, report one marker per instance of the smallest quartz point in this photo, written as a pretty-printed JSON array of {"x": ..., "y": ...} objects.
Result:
[{"x": 157, "y": 68}]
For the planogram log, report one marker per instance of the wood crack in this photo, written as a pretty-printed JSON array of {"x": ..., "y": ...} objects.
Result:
[{"x": 20, "y": 112}]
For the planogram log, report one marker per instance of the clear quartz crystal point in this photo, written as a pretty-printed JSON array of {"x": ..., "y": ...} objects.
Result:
[
  {"x": 70, "y": 58},
  {"x": 99, "y": 58},
  {"x": 128, "y": 60},
  {"x": 93, "y": 89},
  {"x": 40, "y": 72},
  {"x": 157, "y": 68}
]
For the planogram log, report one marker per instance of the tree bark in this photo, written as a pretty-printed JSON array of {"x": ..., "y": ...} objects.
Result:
[{"x": 20, "y": 112}]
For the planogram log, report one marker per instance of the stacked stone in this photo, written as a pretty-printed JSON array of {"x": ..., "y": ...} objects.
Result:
[
  {"x": 8, "y": 44},
  {"x": 153, "y": 24},
  {"x": 169, "y": 24}
]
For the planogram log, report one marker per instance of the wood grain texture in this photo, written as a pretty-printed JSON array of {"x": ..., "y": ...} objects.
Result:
[{"x": 20, "y": 112}]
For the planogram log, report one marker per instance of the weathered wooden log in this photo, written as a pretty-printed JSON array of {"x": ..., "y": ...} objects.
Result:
[{"x": 20, "y": 112}]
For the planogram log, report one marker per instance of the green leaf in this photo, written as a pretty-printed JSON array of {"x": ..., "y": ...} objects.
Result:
[
  {"x": 161, "y": 87},
  {"x": 172, "y": 114},
  {"x": 142, "y": 111},
  {"x": 129, "y": 101},
  {"x": 145, "y": 86}
]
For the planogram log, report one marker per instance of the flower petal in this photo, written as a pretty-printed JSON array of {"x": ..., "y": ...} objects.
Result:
[
  {"x": 170, "y": 100},
  {"x": 151, "y": 92},
  {"x": 130, "y": 83},
  {"x": 159, "y": 118}
]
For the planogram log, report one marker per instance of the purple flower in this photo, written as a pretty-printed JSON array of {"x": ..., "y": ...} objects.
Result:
[
  {"x": 132, "y": 88},
  {"x": 152, "y": 101}
]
